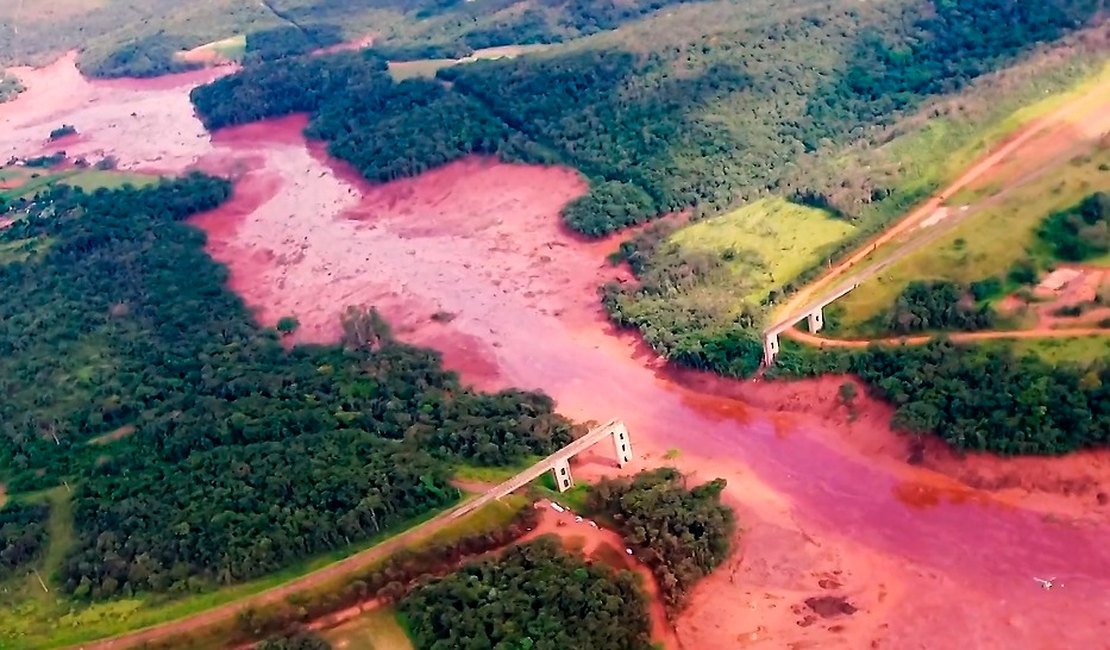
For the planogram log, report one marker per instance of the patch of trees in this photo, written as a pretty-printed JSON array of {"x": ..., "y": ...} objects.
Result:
[
  {"x": 22, "y": 535},
  {"x": 610, "y": 114},
  {"x": 151, "y": 56},
  {"x": 609, "y": 206},
  {"x": 386, "y": 129},
  {"x": 390, "y": 130},
  {"x": 289, "y": 40},
  {"x": 47, "y": 161},
  {"x": 531, "y": 596},
  {"x": 1080, "y": 232},
  {"x": 682, "y": 534},
  {"x": 937, "y": 305},
  {"x": 62, "y": 131},
  {"x": 988, "y": 399},
  {"x": 242, "y": 456},
  {"x": 10, "y": 87},
  {"x": 662, "y": 305},
  {"x": 277, "y": 88},
  {"x": 388, "y": 581}
]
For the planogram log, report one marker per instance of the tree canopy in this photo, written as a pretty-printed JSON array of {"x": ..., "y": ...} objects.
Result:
[
  {"x": 530, "y": 596},
  {"x": 202, "y": 450},
  {"x": 682, "y": 534},
  {"x": 988, "y": 399},
  {"x": 1080, "y": 232}
]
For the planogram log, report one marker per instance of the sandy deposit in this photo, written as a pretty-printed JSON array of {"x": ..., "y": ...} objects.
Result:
[{"x": 481, "y": 242}]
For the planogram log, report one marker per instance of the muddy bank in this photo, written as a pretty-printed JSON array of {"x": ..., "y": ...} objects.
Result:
[
  {"x": 1073, "y": 487},
  {"x": 471, "y": 260}
]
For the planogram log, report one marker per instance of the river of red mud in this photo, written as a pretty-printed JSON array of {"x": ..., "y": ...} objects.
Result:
[{"x": 927, "y": 563}]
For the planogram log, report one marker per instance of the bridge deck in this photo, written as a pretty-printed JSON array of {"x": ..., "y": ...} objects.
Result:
[
  {"x": 788, "y": 322},
  {"x": 592, "y": 437}
]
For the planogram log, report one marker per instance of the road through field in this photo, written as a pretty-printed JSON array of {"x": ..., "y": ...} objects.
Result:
[{"x": 1092, "y": 107}]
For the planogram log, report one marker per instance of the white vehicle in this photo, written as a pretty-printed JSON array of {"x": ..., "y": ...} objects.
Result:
[
  {"x": 578, "y": 519},
  {"x": 557, "y": 508}
]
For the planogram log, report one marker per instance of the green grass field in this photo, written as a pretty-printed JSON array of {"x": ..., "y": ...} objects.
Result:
[
  {"x": 375, "y": 630},
  {"x": 231, "y": 49},
  {"x": 986, "y": 243},
  {"x": 766, "y": 243}
]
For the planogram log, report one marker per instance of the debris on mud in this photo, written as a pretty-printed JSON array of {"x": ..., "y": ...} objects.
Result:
[{"x": 830, "y": 606}]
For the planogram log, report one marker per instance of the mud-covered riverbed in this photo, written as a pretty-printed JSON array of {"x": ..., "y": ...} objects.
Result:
[{"x": 471, "y": 259}]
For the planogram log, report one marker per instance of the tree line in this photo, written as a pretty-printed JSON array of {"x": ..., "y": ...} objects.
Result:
[
  {"x": 937, "y": 305},
  {"x": 289, "y": 40},
  {"x": 1080, "y": 232},
  {"x": 202, "y": 450},
  {"x": 530, "y": 596},
  {"x": 989, "y": 399},
  {"x": 681, "y": 534}
]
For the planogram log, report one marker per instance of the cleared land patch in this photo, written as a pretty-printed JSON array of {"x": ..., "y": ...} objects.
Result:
[
  {"x": 401, "y": 70},
  {"x": 373, "y": 630},
  {"x": 765, "y": 244},
  {"x": 228, "y": 49}
]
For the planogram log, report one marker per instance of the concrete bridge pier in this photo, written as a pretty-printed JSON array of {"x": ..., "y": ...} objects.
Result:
[
  {"x": 816, "y": 320},
  {"x": 561, "y": 471},
  {"x": 770, "y": 348},
  {"x": 622, "y": 444}
]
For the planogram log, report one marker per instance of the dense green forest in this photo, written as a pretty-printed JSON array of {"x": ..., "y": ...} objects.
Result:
[
  {"x": 937, "y": 305},
  {"x": 988, "y": 399},
  {"x": 289, "y": 40},
  {"x": 202, "y": 450},
  {"x": 10, "y": 86},
  {"x": 531, "y": 596},
  {"x": 682, "y": 534},
  {"x": 385, "y": 129},
  {"x": 1081, "y": 232},
  {"x": 22, "y": 534}
]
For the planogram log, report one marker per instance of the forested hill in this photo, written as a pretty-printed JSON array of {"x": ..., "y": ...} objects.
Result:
[
  {"x": 198, "y": 448},
  {"x": 700, "y": 106}
]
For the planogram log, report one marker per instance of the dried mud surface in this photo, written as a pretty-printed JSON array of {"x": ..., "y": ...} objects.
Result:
[{"x": 829, "y": 509}]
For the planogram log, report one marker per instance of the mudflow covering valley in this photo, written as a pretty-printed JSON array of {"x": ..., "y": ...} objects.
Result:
[{"x": 829, "y": 510}]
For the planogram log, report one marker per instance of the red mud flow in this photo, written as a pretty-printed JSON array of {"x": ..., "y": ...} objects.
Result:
[{"x": 471, "y": 260}]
